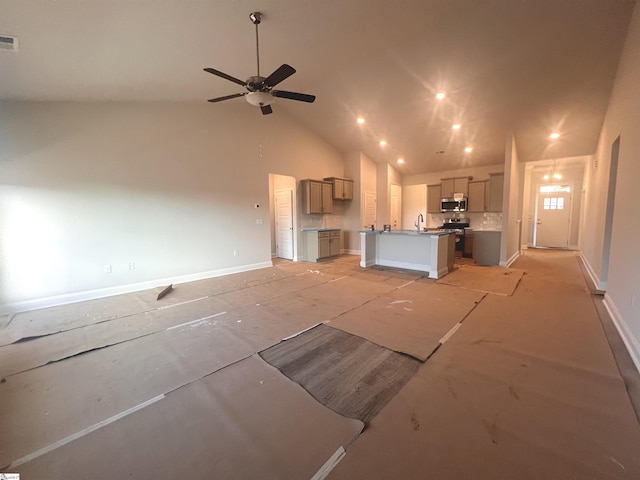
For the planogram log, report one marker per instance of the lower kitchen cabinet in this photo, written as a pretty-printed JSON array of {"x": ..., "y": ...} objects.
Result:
[
  {"x": 468, "y": 245},
  {"x": 321, "y": 244},
  {"x": 486, "y": 247}
]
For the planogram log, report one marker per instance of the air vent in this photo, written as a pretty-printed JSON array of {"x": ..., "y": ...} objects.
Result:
[{"x": 8, "y": 43}]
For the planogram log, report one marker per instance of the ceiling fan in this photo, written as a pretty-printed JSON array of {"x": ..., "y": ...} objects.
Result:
[{"x": 260, "y": 90}]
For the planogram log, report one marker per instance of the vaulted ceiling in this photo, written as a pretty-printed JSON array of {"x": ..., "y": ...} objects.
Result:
[{"x": 522, "y": 66}]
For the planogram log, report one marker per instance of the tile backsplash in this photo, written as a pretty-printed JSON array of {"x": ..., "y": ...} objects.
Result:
[{"x": 486, "y": 220}]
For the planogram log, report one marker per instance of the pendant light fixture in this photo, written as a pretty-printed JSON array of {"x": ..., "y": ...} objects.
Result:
[{"x": 555, "y": 175}]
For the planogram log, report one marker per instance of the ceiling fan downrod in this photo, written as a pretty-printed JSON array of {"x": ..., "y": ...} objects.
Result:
[{"x": 256, "y": 18}]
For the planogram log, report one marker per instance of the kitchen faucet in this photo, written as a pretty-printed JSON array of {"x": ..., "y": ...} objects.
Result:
[{"x": 417, "y": 224}]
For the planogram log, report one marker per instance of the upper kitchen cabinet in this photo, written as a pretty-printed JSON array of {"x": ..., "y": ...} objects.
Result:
[
  {"x": 476, "y": 199},
  {"x": 342, "y": 188},
  {"x": 450, "y": 186},
  {"x": 495, "y": 187},
  {"x": 317, "y": 196},
  {"x": 434, "y": 195}
]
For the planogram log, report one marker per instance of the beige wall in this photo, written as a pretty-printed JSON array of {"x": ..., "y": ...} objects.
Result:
[
  {"x": 478, "y": 173},
  {"x": 622, "y": 119},
  {"x": 169, "y": 187},
  {"x": 511, "y": 204}
]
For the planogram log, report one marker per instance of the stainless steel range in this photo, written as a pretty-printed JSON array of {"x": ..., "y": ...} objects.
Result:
[{"x": 457, "y": 226}]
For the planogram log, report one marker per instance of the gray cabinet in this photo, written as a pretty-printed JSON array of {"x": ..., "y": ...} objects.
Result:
[
  {"x": 434, "y": 195},
  {"x": 476, "y": 199},
  {"x": 342, "y": 188},
  {"x": 486, "y": 247},
  {"x": 321, "y": 244},
  {"x": 327, "y": 203},
  {"x": 316, "y": 196},
  {"x": 494, "y": 192},
  {"x": 450, "y": 186},
  {"x": 334, "y": 243}
]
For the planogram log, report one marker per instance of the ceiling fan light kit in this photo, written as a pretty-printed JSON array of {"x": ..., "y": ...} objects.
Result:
[
  {"x": 260, "y": 90},
  {"x": 259, "y": 98}
]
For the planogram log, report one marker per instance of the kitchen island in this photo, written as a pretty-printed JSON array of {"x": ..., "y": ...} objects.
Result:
[{"x": 430, "y": 251}]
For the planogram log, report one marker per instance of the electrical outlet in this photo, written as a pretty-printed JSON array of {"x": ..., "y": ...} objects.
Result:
[
  {"x": 235, "y": 252},
  {"x": 107, "y": 269},
  {"x": 132, "y": 265},
  {"x": 259, "y": 221}
]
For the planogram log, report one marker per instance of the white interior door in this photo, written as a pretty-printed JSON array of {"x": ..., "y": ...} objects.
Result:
[
  {"x": 553, "y": 219},
  {"x": 395, "y": 206},
  {"x": 284, "y": 223},
  {"x": 368, "y": 208}
]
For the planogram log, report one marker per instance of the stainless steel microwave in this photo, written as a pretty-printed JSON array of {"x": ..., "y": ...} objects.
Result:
[{"x": 453, "y": 205}]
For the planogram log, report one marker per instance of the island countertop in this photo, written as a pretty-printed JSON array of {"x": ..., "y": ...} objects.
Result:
[{"x": 407, "y": 232}]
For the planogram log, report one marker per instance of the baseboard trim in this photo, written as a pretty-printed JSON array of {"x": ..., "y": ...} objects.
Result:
[
  {"x": 352, "y": 252},
  {"x": 630, "y": 341},
  {"x": 593, "y": 276},
  {"x": 510, "y": 261},
  {"x": 75, "y": 297}
]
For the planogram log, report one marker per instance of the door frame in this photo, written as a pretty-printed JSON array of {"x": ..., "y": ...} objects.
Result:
[
  {"x": 537, "y": 203},
  {"x": 283, "y": 182},
  {"x": 608, "y": 217},
  {"x": 292, "y": 216}
]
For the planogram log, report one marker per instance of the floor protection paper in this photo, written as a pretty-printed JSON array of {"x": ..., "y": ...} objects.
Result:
[{"x": 245, "y": 421}]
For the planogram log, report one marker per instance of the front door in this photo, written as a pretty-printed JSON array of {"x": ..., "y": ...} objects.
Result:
[
  {"x": 553, "y": 218},
  {"x": 284, "y": 224}
]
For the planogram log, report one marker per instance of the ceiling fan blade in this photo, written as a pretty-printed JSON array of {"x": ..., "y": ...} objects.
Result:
[
  {"x": 225, "y": 76},
  {"x": 220, "y": 99},
  {"x": 301, "y": 97},
  {"x": 266, "y": 109},
  {"x": 284, "y": 71}
]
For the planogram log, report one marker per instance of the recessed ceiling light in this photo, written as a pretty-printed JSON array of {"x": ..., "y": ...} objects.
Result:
[
  {"x": 456, "y": 126},
  {"x": 557, "y": 176},
  {"x": 554, "y": 135},
  {"x": 383, "y": 143},
  {"x": 468, "y": 149},
  {"x": 546, "y": 177},
  {"x": 440, "y": 95},
  {"x": 360, "y": 120},
  {"x": 401, "y": 160}
]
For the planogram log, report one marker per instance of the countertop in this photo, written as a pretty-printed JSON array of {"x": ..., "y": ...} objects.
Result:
[
  {"x": 406, "y": 232},
  {"x": 321, "y": 230}
]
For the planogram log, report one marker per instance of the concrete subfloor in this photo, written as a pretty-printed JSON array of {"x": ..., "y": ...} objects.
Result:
[{"x": 527, "y": 387}]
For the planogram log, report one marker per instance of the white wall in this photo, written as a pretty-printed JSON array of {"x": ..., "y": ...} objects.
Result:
[
  {"x": 511, "y": 204},
  {"x": 362, "y": 170},
  {"x": 414, "y": 203},
  {"x": 385, "y": 176},
  {"x": 478, "y": 173},
  {"x": 169, "y": 187},
  {"x": 622, "y": 119}
]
